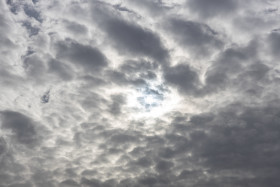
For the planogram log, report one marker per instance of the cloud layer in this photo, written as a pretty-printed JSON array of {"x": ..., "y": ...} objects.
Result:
[{"x": 134, "y": 93}]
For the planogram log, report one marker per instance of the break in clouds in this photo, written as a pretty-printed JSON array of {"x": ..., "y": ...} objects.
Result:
[{"x": 139, "y": 93}]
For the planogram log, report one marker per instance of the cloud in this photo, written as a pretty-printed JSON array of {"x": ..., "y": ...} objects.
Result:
[
  {"x": 154, "y": 8},
  {"x": 139, "y": 93},
  {"x": 22, "y": 127},
  {"x": 212, "y": 8},
  {"x": 46, "y": 97},
  {"x": 87, "y": 57},
  {"x": 60, "y": 69},
  {"x": 31, "y": 30},
  {"x": 3, "y": 146},
  {"x": 274, "y": 39},
  {"x": 133, "y": 40},
  {"x": 234, "y": 143},
  {"x": 117, "y": 102},
  {"x": 32, "y": 12},
  {"x": 76, "y": 28},
  {"x": 198, "y": 37},
  {"x": 183, "y": 77}
]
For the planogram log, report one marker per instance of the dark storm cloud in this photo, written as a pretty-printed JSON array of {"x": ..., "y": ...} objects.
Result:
[
  {"x": 85, "y": 56},
  {"x": 210, "y": 8},
  {"x": 132, "y": 39},
  {"x": 23, "y": 127},
  {"x": 198, "y": 37}
]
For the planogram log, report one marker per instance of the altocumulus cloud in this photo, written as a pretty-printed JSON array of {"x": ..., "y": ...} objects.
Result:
[{"x": 135, "y": 93}]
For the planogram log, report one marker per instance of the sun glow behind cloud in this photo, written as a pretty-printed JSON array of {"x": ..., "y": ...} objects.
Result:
[{"x": 151, "y": 102}]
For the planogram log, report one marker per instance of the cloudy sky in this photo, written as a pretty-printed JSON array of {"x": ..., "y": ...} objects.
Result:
[{"x": 139, "y": 93}]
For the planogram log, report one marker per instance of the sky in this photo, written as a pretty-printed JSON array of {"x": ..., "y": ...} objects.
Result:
[{"x": 139, "y": 93}]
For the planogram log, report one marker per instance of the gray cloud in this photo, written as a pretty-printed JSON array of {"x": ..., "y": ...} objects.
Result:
[
  {"x": 274, "y": 39},
  {"x": 76, "y": 28},
  {"x": 7, "y": 43},
  {"x": 32, "y": 12},
  {"x": 235, "y": 142},
  {"x": 134, "y": 73},
  {"x": 116, "y": 106},
  {"x": 13, "y": 6},
  {"x": 183, "y": 77},
  {"x": 132, "y": 66},
  {"x": 3, "y": 147},
  {"x": 60, "y": 69},
  {"x": 133, "y": 40},
  {"x": 23, "y": 128},
  {"x": 210, "y": 8},
  {"x": 122, "y": 79},
  {"x": 233, "y": 66},
  {"x": 35, "y": 66},
  {"x": 198, "y": 37},
  {"x": 31, "y": 30},
  {"x": 85, "y": 56}
]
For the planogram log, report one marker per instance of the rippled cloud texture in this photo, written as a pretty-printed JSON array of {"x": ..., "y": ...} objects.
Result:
[{"x": 139, "y": 93}]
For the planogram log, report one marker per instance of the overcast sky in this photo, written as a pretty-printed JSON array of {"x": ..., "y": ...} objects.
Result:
[{"x": 139, "y": 93}]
